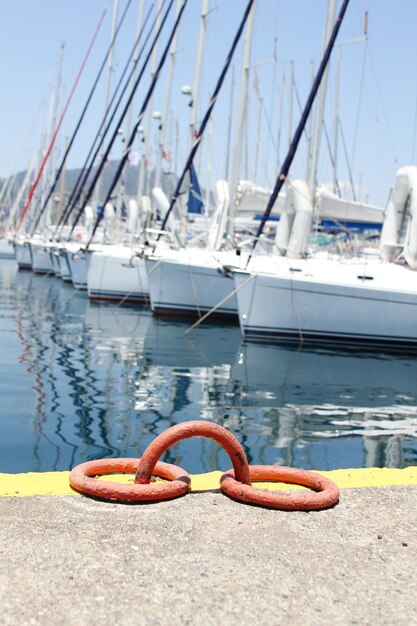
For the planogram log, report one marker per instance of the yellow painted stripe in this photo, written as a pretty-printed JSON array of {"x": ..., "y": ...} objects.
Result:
[{"x": 56, "y": 483}]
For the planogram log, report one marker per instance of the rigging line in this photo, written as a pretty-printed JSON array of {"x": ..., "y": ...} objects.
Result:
[
  {"x": 384, "y": 113},
  {"x": 268, "y": 115},
  {"x": 355, "y": 136},
  {"x": 297, "y": 97},
  {"x": 269, "y": 125},
  {"x": 148, "y": 96},
  {"x": 222, "y": 301},
  {"x": 115, "y": 133},
  {"x": 61, "y": 119},
  {"x": 31, "y": 125},
  {"x": 206, "y": 118},
  {"x": 84, "y": 111},
  {"x": 331, "y": 156},
  {"x": 104, "y": 128},
  {"x": 342, "y": 134},
  {"x": 282, "y": 176},
  {"x": 10, "y": 177},
  {"x": 46, "y": 137},
  {"x": 413, "y": 143}
]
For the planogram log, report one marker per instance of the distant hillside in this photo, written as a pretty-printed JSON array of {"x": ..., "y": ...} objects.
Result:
[{"x": 130, "y": 179}]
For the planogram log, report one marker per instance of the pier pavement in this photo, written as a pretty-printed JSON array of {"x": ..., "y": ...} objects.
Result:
[{"x": 206, "y": 559}]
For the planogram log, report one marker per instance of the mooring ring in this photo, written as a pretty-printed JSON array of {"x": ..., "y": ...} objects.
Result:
[
  {"x": 325, "y": 494},
  {"x": 186, "y": 430},
  {"x": 82, "y": 479}
]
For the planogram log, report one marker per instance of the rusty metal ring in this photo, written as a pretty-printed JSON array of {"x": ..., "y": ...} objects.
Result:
[
  {"x": 185, "y": 430},
  {"x": 325, "y": 493},
  {"x": 82, "y": 479}
]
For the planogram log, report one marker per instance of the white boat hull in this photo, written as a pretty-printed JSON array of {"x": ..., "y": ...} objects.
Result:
[
  {"x": 41, "y": 258},
  {"x": 23, "y": 255},
  {"x": 64, "y": 266},
  {"x": 6, "y": 249},
  {"x": 330, "y": 302},
  {"x": 54, "y": 254},
  {"x": 189, "y": 286},
  {"x": 77, "y": 260},
  {"x": 117, "y": 275}
]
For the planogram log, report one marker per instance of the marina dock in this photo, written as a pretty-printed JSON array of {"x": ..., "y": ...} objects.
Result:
[{"x": 69, "y": 559}]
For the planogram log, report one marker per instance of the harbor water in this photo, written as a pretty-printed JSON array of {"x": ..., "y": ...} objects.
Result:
[{"x": 82, "y": 381}]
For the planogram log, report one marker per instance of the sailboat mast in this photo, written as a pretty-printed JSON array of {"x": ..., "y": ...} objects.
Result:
[
  {"x": 258, "y": 132},
  {"x": 164, "y": 116},
  {"x": 336, "y": 125},
  {"x": 197, "y": 71},
  {"x": 51, "y": 144},
  {"x": 241, "y": 116},
  {"x": 143, "y": 169},
  {"x": 135, "y": 59},
  {"x": 105, "y": 126},
  {"x": 280, "y": 114},
  {"x": 291, "y": 105},
  {"x": 111, "y": 55},
  {"x": 47, "y": 154},
  {"x": 110, "y": 69},
  {"x": 229, "y": 126},
  {"x": 207, "y": 115},
  {"x": 145, "y": 104},
  {"x": 53, "y": 122},
  {"x": 282, "y": 176},
  {"x": 321, "y": 99},
  {"x": 74, "y": 134}
]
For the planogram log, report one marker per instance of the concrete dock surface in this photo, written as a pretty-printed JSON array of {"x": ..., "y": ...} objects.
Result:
[{"x": 206, "y": 559}]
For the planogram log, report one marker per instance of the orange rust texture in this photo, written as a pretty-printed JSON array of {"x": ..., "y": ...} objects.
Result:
[
  {"x": 236, "y": 483},
  {"x": 324, "y": 495},
  {"x": 82, "y": 479},
  {"x": 196, "y": 428}
]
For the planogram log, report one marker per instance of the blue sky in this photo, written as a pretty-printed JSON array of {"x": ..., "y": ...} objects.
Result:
[{"x": 377, "y": 97}]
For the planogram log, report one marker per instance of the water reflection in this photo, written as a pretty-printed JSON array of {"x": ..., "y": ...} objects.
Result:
[
  {"x": 332, "y": 408},
  {"x": 81, "y": 381}
]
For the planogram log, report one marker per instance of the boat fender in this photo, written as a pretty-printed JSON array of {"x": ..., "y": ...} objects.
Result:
[
  {"x": 146, "y": 206},
  {"x": 161, "y": 202},
  {"x": 133, "y": 214},
  {"x": 301, "y": 227},
  {"x": 283, "y": 231},
  {"x": 394, "y": 215},
  {"x": 218, "y": 222},
  {"x": 88, "y": 217},
  {"x": 109, "y": 212},
  {"x": 294, "y": 226},
  {"x": 401, "y": 206}
]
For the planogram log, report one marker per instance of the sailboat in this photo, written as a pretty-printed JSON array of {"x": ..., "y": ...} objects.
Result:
[
  {"x": 116, "y": 271},
  {"x": 366, "y": 299},
  {"x": 362, "y": 299},
  {"x": 110, "y": 275},
  {"x": 194, "y": 280}
]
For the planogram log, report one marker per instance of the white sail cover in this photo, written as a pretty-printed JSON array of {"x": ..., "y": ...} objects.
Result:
[
  {"x": 330, "y": 206},
  {"x": 251, "y": 198}
]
